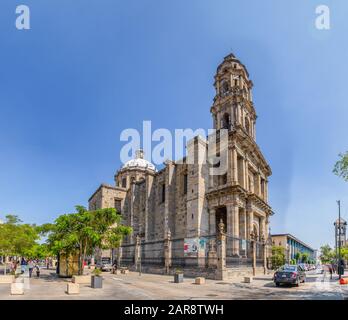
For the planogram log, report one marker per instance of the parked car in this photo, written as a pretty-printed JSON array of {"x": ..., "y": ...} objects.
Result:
[
  {"x": 304, "y": 266},
  {"x": 289, "y": 274},
  {"x": 104, "y": 264}
]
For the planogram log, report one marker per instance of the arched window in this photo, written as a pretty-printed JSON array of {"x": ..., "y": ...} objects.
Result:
[
  {"x": 226, "y": 121},
  {"x": 225, "y": 88}
]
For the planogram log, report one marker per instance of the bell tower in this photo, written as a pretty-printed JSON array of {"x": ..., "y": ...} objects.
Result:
[{"x": 233, "y": 105}]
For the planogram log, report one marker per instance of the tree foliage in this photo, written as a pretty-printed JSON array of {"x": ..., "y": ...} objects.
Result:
[
  {"x": 344, "y": 252},
  {"x": 304, "y": 257},
  {"x": 341, "y": 166},
  {"x": 16, "y": 239},
  {"x": 278, "y": 257},
  {"x": 82, "y": 232},
  {"x": 327, "y": 254}
]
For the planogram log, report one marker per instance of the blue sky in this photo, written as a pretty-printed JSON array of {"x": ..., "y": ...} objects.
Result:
[{"x": 89, "y": 69}]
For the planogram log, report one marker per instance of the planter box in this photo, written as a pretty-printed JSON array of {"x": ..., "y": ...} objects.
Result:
[
  {"x": 200, "y": 280},
  {"x": 8, "y": 279},
  {"x": 178, "y": 277},
  {"x": 81, "y": 279},
  {"x": 248, "y": 279},
  {"x": 17, "y": 288},
  {"x": 97, "y": 282},
  {"x": 73, "y": 288}
]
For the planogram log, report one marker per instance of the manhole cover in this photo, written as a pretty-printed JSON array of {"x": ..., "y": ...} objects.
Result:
[
  {"x": 222, "y": 283},
  {"x": 212, "y": 295}
]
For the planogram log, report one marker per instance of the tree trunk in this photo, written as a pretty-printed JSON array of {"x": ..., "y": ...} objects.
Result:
[{"x": 80, "y": 261}]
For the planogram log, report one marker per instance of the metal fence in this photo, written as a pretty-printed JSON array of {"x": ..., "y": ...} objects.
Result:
[
  {"x": 152, "y": 252},
  {"x": 239, "y": 252},
  {"x": 193, "y": 251}
]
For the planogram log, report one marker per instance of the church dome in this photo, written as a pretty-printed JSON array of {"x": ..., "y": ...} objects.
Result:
[{"x": 139, "y": 162}]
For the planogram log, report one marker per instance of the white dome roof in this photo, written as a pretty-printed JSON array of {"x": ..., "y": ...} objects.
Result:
[{"x": 139, "y": 162}]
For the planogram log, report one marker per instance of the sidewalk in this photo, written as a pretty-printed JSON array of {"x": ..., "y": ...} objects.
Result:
[{"x": 162, "y": 287}]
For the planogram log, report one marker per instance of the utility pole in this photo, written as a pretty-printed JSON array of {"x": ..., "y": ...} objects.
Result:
[{"x": 339, "y": 239}]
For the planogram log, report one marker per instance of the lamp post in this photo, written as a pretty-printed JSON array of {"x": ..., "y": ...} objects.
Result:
[
  {"x": 339, "y": 239},
  {"x": 253, "y": 243}
]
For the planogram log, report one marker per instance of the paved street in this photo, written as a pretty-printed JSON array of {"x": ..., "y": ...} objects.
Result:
[{"x": 156, "y": 287}]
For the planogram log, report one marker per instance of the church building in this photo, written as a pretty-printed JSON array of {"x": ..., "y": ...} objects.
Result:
[{"x": 177, "y": 213}]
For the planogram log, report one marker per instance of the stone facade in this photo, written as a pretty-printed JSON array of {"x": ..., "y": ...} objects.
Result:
[{"x": 184, "y": 201}]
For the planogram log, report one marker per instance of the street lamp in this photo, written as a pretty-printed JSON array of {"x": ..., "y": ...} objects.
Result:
[{"x": 339, "y": 239}]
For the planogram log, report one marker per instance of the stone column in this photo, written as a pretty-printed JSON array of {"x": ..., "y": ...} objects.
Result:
[
  {"x": 212, "y": 221},
  {"x": 234, "y": 166},
  {"x": 244, "y": 171},
  {"x": 235, "y": 248},
  {"x": 250, "y": 223},
  {"x": 169, "y": 175},
  {"x": 168, "y": 252},
  {"x": 221, "y": 271},
  {"x": 229, "y": 229},
  {"x": 253, "y": 245},
  {"x": 243, "y": 232},
  {"x": 263, "y": 227},
  {"x": 266, "y": 191},
  {"x": 149, "y": 183},
  {"x": 263, "y": 241},
  {"x": 218, "y": 121},
  {"x": 229, "y": 165},
  {"x": 212, "y": 254},
  {"x": 137, "y": 252},
  {"x": 246, "y": 174},
  {"x": 259, "y": 185},
  {"x": 132, "y": 196}
]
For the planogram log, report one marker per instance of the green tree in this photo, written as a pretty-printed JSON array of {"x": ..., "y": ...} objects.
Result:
[
  {"x": 298, "y": 256},
  {"x": 327, "y": 254},
  {"x": 82, "y": 232},
  {"x": 38, "y": 251},
  {"x": 344, "y": 253},
  {"x": 278, "y": 257},
  {"x": 304, "y": 257},
  {"x": 341, "y": 166},
  {"x": 16, "y": 238}
]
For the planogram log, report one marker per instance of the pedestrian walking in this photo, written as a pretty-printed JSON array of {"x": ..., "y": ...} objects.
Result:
[
  {"x": 30, "y": 267},
  {"x": 12, "y": 266},
  {"x": 330, "y": 270},
  {"x": 37, "y": 268},
  {"x": 114, "y": 267},
  {"x": 325, "y": 269},
  {"x": 23, "y": 265}
]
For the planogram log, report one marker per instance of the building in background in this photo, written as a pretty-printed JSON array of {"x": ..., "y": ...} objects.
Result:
[{"x": 292, "y": 245}]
